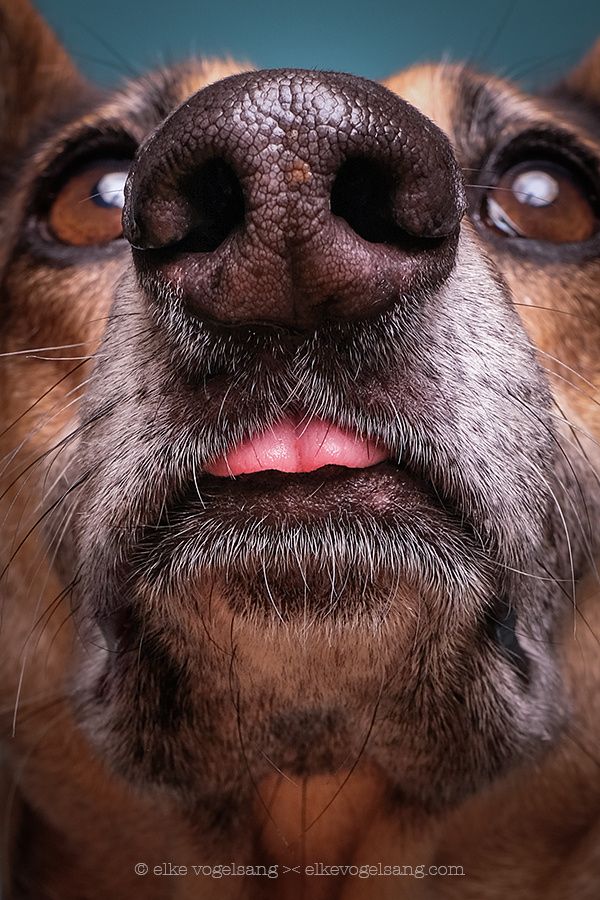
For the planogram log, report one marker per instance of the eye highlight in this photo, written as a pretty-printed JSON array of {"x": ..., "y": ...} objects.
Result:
[
  {"x": 542, "y": 201},
  {"x": 87, "y": 207}
]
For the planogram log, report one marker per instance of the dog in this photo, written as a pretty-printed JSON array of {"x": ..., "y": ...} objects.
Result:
[{"x": 300, "y": 482}]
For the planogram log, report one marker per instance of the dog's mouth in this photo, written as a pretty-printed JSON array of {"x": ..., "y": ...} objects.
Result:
[
  {"x": 302, "y": 471},
  {"x": 308, "y": 513},
  {"x": 297, "y": 447}
]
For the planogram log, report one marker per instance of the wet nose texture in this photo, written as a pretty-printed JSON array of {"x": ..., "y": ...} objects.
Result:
[{"x": 289, "y": 197}]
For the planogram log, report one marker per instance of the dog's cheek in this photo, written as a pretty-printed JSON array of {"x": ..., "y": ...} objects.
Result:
[
  {"x": 57, "y": 304},
  {"x": 558, "y": 303}
]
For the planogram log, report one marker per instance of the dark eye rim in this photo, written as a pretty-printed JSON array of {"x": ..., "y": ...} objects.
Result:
[
  {"x": 91, "y": 147},
  {"x": 538, "y": 145}
]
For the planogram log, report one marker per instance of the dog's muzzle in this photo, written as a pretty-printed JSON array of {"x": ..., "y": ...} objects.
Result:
[{"x": 308, "y": 414}]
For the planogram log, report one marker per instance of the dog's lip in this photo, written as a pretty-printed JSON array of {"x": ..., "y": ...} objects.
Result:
[
  {"x": 301, "y": 467},
  {"x": 237, "y": 525},
  {"x": 385, "y": 490},
  {"x": 295, "y": 446}
]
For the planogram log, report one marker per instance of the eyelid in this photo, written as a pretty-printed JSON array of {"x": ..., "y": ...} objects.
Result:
[
  {"x": 87, "y": 146},
  {"x": 76, "y": 217},
  {"x": 553, "y": 144},
  {"x": 568, "y": 218}
]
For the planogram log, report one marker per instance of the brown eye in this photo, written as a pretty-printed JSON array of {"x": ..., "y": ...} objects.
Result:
[
  {"x": 541, "y": 201},
  {"x": 87, "y": 208}
]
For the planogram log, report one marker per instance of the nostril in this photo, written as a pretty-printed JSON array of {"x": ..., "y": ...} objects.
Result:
[
  {"x": 253, "y": 204},
  {"x": 215, "y": 195},
  {"x": 363, "y": 194}
]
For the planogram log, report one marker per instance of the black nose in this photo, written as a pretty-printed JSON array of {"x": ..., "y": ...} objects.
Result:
[{"x": 291, "y": 197}]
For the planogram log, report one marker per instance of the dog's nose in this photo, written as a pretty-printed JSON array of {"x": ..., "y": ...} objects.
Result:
[{"x": 290, "y": 197}]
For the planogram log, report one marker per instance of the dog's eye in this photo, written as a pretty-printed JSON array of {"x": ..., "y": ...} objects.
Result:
[
  {"x": 88, "y": 206},
  {"x": 541, "y": 201}
]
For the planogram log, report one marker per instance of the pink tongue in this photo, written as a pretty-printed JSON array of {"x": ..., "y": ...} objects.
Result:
[{"x": 295, "y": 447}]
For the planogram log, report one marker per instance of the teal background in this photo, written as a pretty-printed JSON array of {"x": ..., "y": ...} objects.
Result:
[{"x": 533, "y": 40}]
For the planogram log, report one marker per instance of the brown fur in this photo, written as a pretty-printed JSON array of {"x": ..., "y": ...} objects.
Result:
[{"x": 74, "y": 829}]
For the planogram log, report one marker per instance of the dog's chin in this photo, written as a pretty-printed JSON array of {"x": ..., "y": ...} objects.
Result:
[{"x": 309, "y": 648}]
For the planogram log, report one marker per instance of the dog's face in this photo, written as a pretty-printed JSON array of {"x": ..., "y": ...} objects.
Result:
[{"x": 309, "y": 441}]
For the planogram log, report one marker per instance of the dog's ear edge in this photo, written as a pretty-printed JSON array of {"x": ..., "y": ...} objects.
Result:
[
  {"x": 584, "y": 79},
  {"x": 37, "y": 76}
]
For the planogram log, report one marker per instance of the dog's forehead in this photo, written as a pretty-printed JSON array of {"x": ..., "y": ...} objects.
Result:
[
  {"x": 475, "y": 109},
  {"x": 433, "y": 89},
  {"x": 142, "y": 103},
  {"x": 449, "y": 93},
  {"x": 472, "y": 108}
]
